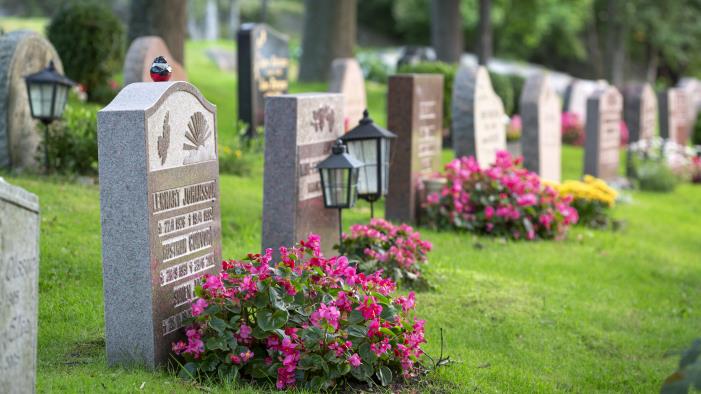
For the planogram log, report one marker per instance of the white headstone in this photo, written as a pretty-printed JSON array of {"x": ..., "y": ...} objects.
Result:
[{"x": 347, "y": 79}]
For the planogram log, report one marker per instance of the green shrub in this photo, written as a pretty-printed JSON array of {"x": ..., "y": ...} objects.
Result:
[
  {"x": 448, "y": 71},
  {"x": 503, "y": 89},
  {"x": 696, "y": 136},
  {"x": 517, "y": 83},
  {"x": 90, "y": 40},
  {"x": 72, "y": 142},
  {"x": 655, "y": 176}
]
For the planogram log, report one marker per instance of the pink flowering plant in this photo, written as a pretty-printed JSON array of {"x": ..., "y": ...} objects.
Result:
[
  {"x": 503, "y": 200},
  {"x": 398, "y": 250},
  {"x": 305, "y": 321}
]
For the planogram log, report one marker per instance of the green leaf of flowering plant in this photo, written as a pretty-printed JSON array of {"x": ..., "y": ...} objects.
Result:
[
  {"x": 362, "y": 372},
  {"x": 385, "y": 375},
  {"x": 268, "y": 321},
  {"x": 357, "y": 331}
]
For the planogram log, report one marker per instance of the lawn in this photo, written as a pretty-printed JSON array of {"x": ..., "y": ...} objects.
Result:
[{"x": 596, "y": 312}]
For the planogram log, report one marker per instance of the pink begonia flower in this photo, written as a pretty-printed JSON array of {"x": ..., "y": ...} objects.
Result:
[
  {"x": 354, "y": 360},
  {"x": 212, "y": 283},
  {"x": 235, "y": 359},
  {"x": 488, "y": 212},
  {"x": 330, "y": 314},
  {"x": 198, "y": 307},
  {"x": 527, "y": 200},
  {"x": 245, "y": 356},
  {"x": 433, "y": 198},
  {"x": 245, "y": 331}
]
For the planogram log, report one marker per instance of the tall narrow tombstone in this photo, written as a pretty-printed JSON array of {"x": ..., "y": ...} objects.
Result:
[
  {"x": 541, "y": 140},
  {"x": 674, "y": 119},
  {"x": 415, "y": 114},
  {"x": 159, "y": 207},
  {"x": 692, "y": 88},
  {"x": 347, "y": 79},
  {"x": 21, "y": 53},
  {"x": 577, "y": 94},
  {"x": 300, "y": 130},
  {"x": 19, "y": 274},
  {"x": 139, "y": 58},
  {"x": 263, "y": 59},
  {"x": 479, "y": 122},
  {"x": 640, "y": 111},
  {"x": 603, "y": 130}
]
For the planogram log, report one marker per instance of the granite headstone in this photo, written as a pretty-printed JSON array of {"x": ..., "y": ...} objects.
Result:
[
  {"x": 415, "y": 114},
  {"x": 576, "y": 96},
  {"x": 19, "y": 274},
  {"x": 640, "y": 111},
  {"x": 479, "y": 122},
  {"x": 541, "y": 139},
  {"x": 159, "y": 206},
  {"x": 263, "y": 58},
  {"x": 603, "y": 133},
  {"x": 674, "y": 117},
  {"x": 300, "y": 130},
  {"x": 692, "y": 88},
  {"x": 139, "y": 59},
  {"x": 347, "y": 79},
  {"x": 21, "y": 53}
]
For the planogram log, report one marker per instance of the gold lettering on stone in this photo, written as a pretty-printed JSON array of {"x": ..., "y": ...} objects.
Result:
[
  {"x": 175, "y": 322},
  {"x": 186, "y": 269},
  {"x": 185, "y": 196},
  {"x": 186, "y": 244}
]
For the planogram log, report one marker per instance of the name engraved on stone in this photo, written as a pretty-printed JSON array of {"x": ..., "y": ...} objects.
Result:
[
  {"x": 427, "y": 144},
  {"x": 175, "y": 322},
  {"x": 182, "y": 294},
  {"x": 309, "y": 179},
  {"x": 186, "y": 244},
  {"x": 186, "y": 269},
  {"x": 185, "y": 196}
]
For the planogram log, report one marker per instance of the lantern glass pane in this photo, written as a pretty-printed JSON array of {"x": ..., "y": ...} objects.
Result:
[
  {"x": 384, "y": 170},
  {"x": 40, "y": 95},
  {"x": 366, "y": 151},
  {"x": 60, "y": 103},
  {"x": 353, "y": 188},
  {"x": 336, "y": 181}
]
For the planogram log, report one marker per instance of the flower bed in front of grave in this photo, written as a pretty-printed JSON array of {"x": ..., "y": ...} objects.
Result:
[
  {"x": 306, "y": 321},
  {"x": 397, "y": 250},
  {"x": 591, "y": 197},
  {"x": 504, "y": 200}
]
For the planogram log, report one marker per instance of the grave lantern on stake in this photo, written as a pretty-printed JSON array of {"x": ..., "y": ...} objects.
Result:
[
  {"x": 339, "y": 181},
  {"x": 370, "y": 144},
  {"x": 48, "y": 92}
]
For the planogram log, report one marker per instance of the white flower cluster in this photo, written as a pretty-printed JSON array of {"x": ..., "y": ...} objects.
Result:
[{"x": 658, "y": 149}]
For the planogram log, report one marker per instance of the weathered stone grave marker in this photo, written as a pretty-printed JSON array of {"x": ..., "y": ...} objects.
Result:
[
  {"x": 640, "y": 111},
  {"x": 541, "y": 137},
  {"x": 604, "y": 113},
  {"x": 139, "y": 59},
  {"x": 577, "y": 94},
  {"x": 300, "y": 130},
  {"x": 21, "y": 53},
  {"x": 159, "y": 206},
  {"x": 479, "y": 127},
  {"x": 19, "y": 274},
  {"x": 263, "y": 59},
  {"x": 415, "y": 114},
  {"x": 347, "y": 79},
  {"x": 674, "y": 117}
]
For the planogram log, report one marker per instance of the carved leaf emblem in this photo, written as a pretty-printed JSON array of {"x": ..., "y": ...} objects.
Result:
[
  {"x": 164, "y": 140},
  {"x": 198, "y": 132}
]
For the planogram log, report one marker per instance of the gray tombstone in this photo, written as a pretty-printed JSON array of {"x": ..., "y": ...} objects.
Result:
[
  {"x": 577, "y": 94},
  {"x": 640, "y": 111},
  {"x": 674, "y": 118},
  {"x": 19, "y": 273},
  {"x": 479, "y": 122},
  {"x": 300, "y": 130},
  {"x": 347, "y": 79},
  {"x": 415, "y": 114},
  {"x": 603, "y": 133},
  {"x": 692, "y": 88},
  {"x": 140, "y": 56},
  {"x": 21, "y": 53},
  {"x": 159, "y": 206},
  {"x": 541, "y": 140}
]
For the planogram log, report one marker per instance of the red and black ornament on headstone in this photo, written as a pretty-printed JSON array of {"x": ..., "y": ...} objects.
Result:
[{"x": 160, "y": 70}]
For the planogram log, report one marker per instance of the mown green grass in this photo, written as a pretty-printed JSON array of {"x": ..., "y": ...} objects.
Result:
[{"x": 594, "y": 313}]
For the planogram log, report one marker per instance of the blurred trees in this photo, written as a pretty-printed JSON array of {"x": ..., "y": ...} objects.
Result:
[
  {"x": 329, "y": 33},
  {"x": 164, "y": 18},
  {"x": 446, "y": 30}
]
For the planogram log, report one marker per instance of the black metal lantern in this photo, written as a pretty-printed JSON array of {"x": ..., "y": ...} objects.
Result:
[
  {"x": 339, "y": 180},
  {"x": 371, "y": 145},
  {"x": 48, "y": 93}
]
